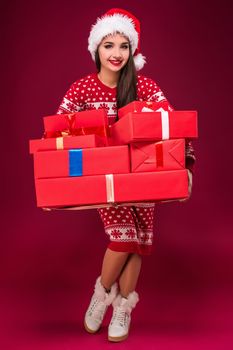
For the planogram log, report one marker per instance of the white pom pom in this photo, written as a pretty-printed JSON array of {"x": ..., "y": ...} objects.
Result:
[{"x": 139, "y": 61}]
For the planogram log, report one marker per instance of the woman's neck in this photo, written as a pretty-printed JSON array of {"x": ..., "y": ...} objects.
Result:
[{"x": 109, "y": 78}]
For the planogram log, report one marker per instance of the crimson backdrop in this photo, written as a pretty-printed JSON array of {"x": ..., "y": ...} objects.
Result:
[{"x": 49, "y": 261}]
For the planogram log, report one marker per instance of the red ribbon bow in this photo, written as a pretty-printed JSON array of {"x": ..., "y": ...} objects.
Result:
[{"x": 71, "y": 130}]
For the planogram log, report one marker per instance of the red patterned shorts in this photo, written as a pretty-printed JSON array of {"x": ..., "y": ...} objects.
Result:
[{"x": 130, "y": 228}]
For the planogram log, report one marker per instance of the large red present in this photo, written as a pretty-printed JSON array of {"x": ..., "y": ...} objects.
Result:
[
  {"x": 157, "y": 156},
  {"x": 76, "y": 124},
  {"x": 135, "y": 127},
  {"x": 109, "y": 188},
  {"x": 139, "y": 106},
  {"x": 67, "y": 142},
  {"x": 82, "y": 162}
]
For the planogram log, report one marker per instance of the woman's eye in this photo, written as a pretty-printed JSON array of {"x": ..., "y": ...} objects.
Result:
[{"x": 109, "y": 46}]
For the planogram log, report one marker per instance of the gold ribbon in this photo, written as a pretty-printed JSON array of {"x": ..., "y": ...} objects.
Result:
[{"x": 59, "y": 143}]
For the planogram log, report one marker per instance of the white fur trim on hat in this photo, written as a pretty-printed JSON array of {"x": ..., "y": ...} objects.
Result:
[{"x": 107, "y": 25}]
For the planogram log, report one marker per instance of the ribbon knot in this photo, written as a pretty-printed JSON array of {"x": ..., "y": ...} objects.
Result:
[{"x": 72, "y": 130}]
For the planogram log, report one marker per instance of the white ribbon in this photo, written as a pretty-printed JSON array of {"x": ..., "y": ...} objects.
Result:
[
  {"x": 146, "y": 109},
  {"x": 59, "y": 143},
  {"x": 164, "y": 120},
  {"x": 110, "y": 188},
  {"x": 165, "y": 125}
]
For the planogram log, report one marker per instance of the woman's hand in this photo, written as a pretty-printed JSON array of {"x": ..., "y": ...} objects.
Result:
[{"x": 190, "y": 185}]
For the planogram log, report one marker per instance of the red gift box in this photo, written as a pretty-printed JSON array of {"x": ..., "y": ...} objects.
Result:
[
  {"x": 119, "y": 188},
  {"x": 67, "y": 142},
  {"x": 76, "y": 124},
  {"x": 81, "y": 162},
  {"x": 154, "y": 126},
  {"x": 157, "y": 156},
  {"x": 139, "y": 106}
]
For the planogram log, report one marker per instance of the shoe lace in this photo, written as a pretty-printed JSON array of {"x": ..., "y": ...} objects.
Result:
[
  {"x": 97, "y": 309},
  {"x": 120, "y": 316}
]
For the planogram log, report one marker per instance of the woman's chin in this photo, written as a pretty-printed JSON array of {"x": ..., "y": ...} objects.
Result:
[{"x": 115, "y": 68}]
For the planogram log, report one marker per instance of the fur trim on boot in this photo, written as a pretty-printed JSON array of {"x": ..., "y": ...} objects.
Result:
[
  {"x": 131, "y": 302},
  {"x": 118, "y": 329},
  {"x": 101, "y": 293},
  {"x": 98, "y": 306}
]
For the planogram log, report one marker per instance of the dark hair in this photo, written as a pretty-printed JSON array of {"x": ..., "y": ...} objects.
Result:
[{"x": 126, "y": 85}]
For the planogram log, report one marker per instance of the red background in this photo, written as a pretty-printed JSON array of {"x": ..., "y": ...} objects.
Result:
[{"x": 49, "y": 261}]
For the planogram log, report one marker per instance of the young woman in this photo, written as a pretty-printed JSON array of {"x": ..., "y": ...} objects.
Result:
[{"x": 114, "y": 46}]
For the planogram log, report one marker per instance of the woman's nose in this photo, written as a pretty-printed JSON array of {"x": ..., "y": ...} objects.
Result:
[{"x": 117, "y": 53}]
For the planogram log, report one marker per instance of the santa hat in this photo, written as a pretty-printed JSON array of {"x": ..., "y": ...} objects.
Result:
[{"x": 117, "y": 20}]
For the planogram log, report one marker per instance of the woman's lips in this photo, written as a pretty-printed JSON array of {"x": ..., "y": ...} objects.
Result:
[{"x": 115, "y": 63}]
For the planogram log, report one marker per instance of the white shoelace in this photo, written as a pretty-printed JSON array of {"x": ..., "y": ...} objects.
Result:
[
  {"x": 120, "y": 316},
  {"x": 97, "y": 309}
]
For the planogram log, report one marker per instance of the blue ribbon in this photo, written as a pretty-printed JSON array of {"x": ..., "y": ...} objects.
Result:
[{"x": 76, "y": 162}]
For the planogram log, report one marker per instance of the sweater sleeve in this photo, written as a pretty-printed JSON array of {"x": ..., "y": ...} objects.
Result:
[
  {"x": 148, "y": 90},
  {"x": 190, "y": 158},
  {"x": 73, "y": 101}
]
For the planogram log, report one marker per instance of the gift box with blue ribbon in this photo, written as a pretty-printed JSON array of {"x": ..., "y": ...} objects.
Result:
[{"x": 81, "y": 162}]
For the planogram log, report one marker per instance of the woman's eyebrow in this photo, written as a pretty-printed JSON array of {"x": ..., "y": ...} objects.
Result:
[{"x": 111, "y": 42}]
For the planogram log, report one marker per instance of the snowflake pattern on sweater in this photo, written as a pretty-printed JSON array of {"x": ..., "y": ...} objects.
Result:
[{"x": 90, "y": 93}]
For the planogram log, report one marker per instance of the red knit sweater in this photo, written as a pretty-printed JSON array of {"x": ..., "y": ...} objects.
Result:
[{"x": 90, "y": 93}]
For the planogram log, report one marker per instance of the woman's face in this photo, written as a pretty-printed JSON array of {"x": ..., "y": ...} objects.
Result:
[{"x": 114, "y": 52}]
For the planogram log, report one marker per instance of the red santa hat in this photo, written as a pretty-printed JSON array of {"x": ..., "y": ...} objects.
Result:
[{"x": 122, "y": 21}]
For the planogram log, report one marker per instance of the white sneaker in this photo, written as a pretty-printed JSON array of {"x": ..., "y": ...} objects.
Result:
[
  {"x": 98, "y": 306},
  {"x": 118, "y": 329}
]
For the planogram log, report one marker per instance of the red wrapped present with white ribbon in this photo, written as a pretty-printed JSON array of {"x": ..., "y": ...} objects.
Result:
[
  {"x": 141, "y": 106},
  {"x": 109, "y": 188},
  {"x": 154, "y": 126}
]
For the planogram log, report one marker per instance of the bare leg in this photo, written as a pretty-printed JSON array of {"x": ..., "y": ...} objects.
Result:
[
  {"x": 129, "y": 276},
  {"x": 113, "y": 263}
]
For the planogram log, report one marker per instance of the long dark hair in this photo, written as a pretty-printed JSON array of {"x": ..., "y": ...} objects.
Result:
[{"x": 126, "y": 85}]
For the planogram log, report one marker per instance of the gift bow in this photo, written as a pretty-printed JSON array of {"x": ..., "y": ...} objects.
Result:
[{"x": 71, "y": 130}]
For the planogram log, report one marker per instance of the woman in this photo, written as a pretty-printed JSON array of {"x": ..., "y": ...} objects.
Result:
[{"x": 114, "y": 46}]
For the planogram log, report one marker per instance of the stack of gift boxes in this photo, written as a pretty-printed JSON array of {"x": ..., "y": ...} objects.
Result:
[{"x": 83, "y": 162}]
